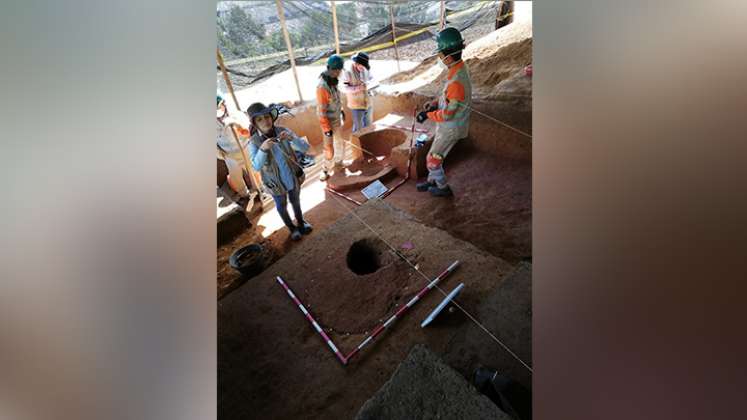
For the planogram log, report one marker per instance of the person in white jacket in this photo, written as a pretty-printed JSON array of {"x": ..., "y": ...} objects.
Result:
[
  {"x": 356, "y": 78},
  {"x": 229, "y": 151}
]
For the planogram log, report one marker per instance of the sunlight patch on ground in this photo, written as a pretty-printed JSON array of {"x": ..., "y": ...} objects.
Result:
[
  {"x": 311, "y": 195},
  {"x": 281, "y": 87}
]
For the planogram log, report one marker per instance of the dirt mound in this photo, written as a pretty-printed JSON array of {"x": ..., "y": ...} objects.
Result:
[
  {"x": 495, "y": 68},
  {"x": 424, "y": 387},
  {"x": 422, "y": 70},
  {"x": 267, "y": 349},
  {"x": 496, "y": 63}
]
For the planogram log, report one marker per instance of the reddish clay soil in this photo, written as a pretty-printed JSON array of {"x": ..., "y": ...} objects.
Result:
[
  {"x": 271, "y": 362},
  {"x": 491, "y": 209}
]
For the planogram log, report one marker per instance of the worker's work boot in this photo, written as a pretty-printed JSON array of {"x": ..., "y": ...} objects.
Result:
[
  {"x": 424, "y": 186},
  {"x": 295, "y": 234},
  {"x": 482, "y": 377},
  {"x": 305, "y": 228},
  {"x": 339, "y": 168},
  {"x": 307, "y": 161},
  {"x": 243, "y": 202},
  {"x": 440, "y": 192},
  {"x": 323, "y": 176}
]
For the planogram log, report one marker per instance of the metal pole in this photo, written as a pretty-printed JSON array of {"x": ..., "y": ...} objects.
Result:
[
  {"x": 394, "y": 36},
  {"x": 281, "y": 16},
  {"x": 343, "y": 196},
  {"x": 442, "y": 20},
  {"x": 334, "y": 23}
]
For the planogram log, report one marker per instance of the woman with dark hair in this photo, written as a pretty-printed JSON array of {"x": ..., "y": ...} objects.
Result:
[{"x": 272, "y": 154}]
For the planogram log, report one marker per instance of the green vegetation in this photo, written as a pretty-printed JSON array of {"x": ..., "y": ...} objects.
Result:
[{"x": 241, "y": 35}]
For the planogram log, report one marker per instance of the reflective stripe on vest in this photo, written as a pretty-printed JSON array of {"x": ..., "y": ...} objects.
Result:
[
  {"x": 458, "y": 113},
  {"x": 331, "y": 110}
]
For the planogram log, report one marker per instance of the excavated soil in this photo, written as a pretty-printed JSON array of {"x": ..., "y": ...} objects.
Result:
[
  {"x": 491, "y": 209},
  {"x": 424, "y": 388},
  {"x": 345, "y": 274},
  {"x": 271, "y": 362},
  {"x": 496, "y": 62}
]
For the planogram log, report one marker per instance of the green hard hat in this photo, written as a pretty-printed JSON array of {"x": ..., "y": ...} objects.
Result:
[
  {"x": 449, "y": 40},
  {"x": 334, "y": 62},
  {"x": 218, "y": 99}
]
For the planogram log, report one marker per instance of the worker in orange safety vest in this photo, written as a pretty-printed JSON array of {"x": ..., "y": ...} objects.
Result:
[
  {"x": 450, "y": 112},
  {"x": 331, "y": 116}
]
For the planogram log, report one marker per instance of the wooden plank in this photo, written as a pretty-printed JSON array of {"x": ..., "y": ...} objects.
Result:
[
  {"x": 334, "y": 24},
  {"x": 394, "y": 36},
  {"x": 281, "y": 16},
  {"x": 442, "y": 19},
  {"x": 254, "y": 176}
]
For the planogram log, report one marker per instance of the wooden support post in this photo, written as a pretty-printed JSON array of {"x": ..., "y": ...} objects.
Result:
[
  {"x": 394, "y": 34},
  {"x": 281, "y": 16},
  {"x": 227, "y": 79},
  {"x": 254, "y": 176},
  {"x": 505, "y": 14},
  {"x": 442, "y": 20},
  {"x": 334, "y": 23}
]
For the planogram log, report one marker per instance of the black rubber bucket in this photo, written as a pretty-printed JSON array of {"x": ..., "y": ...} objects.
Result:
[{"x": 248, "y": 260}]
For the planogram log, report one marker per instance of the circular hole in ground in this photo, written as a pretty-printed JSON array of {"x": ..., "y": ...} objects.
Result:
[
  {"x": 365, "y": 256},
  {"x": 381, "y": 142}
]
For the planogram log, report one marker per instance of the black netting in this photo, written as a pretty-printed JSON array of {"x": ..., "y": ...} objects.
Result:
[{"x": 252, "y": 43}]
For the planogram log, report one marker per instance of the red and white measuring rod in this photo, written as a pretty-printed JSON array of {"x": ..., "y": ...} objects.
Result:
[
  {"x": 401, "y": 310},
  {"x": 312, "y": 321}
]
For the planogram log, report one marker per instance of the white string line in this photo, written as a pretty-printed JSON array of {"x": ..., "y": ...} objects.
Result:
[
  {"x": 471, "y": 109},
  {"x": 360, "y": 147},
  {"x": 351, "y": 211},
  {"x": 496, "y": 120},
  {"x": 427, "y": 279},
  {"x": 466, "y": 106},
  {"x": 355, "y": 145}
]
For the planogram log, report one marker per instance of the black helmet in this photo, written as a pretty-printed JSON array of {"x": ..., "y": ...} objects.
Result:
[
  {"x": 362, "y": 59},
  {"x": 256, "y": 109}
]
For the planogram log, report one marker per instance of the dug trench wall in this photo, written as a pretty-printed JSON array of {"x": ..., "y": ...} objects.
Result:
[
  {"x": 484, "y": 134},
  {"x": 350, "y": 281}
]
